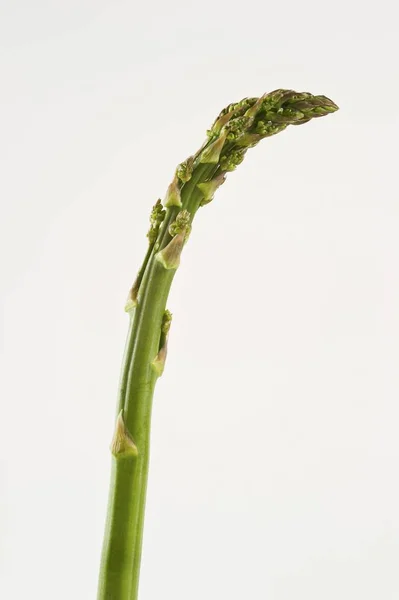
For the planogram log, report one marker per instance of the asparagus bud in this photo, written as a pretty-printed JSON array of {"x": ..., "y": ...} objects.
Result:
[
  {"x": 185, "y": 170},
  {"x": 181, "y": 224},
  {"x": 208, "y": 188},
  {"x": 173, "y": 197},
  {"x": 169, "y": 257},
  {"x": 158, "y": 364},
  {"x": 211, "y": 154},
  {"x": 156, "y": 217},
  {"x": 122, "y": 443}
]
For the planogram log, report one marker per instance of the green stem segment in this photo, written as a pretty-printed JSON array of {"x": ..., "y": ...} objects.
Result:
[
  {"x": 120, "y": 564},
  {"x": 237, "y": 128}
]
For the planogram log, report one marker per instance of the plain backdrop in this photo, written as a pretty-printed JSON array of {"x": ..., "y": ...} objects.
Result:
[{"x": 274, "y": 466}]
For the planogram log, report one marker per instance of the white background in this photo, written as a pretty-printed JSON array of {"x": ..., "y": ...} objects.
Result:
[{"x": 274, "y": 471}]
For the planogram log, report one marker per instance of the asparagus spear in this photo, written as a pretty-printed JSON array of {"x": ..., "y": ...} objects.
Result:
[{"x": 238, "y": 127}]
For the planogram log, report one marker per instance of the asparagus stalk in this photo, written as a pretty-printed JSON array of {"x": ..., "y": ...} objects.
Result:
[{"x": 238, "y": 127}]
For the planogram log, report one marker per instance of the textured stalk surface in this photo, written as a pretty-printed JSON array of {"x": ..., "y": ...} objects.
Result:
[{"x": 238, "y": 127}]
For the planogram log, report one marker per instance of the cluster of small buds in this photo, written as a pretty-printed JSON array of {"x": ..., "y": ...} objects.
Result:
[
  {"x": 185, "y": 170},
  {"x": 233, "y": 111},
  {"x": 243, "y": 124},
  {"x": 240, "y": 126},
  {"x": 293, "y": 114},
  {"x": 181, "y": 224},
  {"x": 267, "y": 128},
  {"x": 276, "y": 99},
  {"x": 230, "y": 161},
  {"x": 237, "y": 109},
  {"x": 296, "y": 108},
  {"x": 166, "y": 322},
  {"x": 156, "y": 218},
  {"x": 236, "y": 127}
]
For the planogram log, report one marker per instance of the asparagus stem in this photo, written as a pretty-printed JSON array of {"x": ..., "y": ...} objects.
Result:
[{"x": 237, "y": 128}]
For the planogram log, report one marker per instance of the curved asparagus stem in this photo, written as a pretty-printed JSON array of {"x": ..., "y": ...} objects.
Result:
[{"x": 237, "y": 128}]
